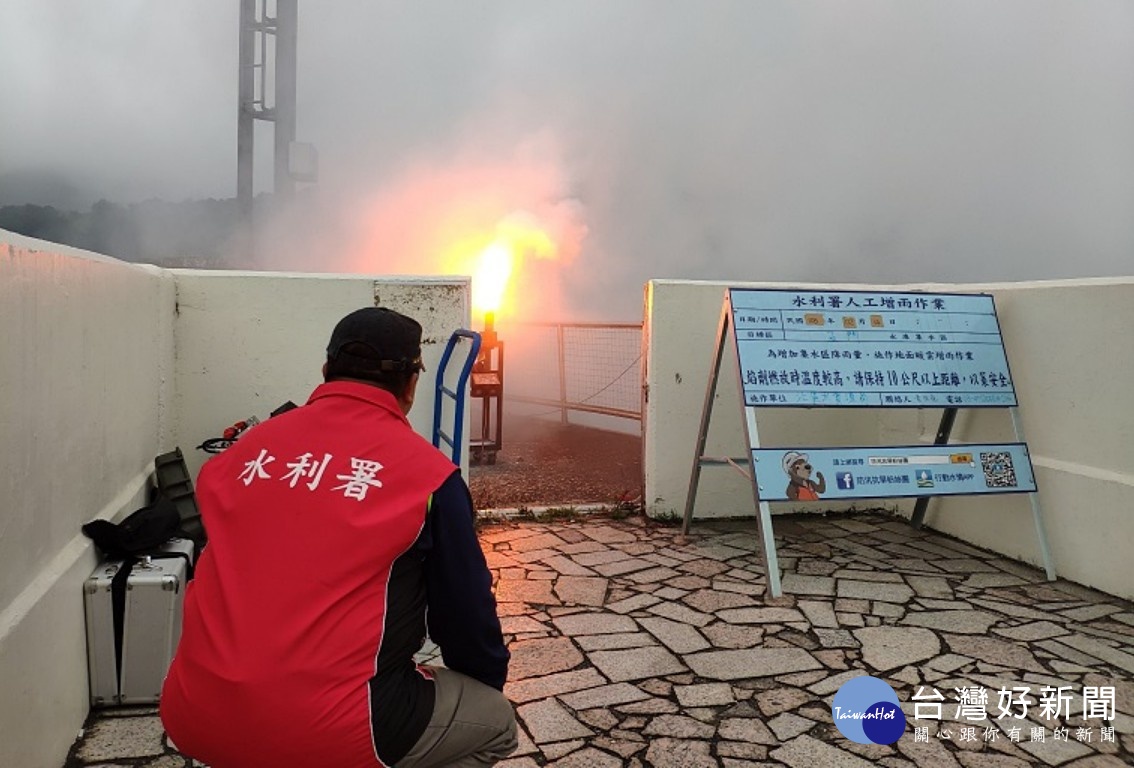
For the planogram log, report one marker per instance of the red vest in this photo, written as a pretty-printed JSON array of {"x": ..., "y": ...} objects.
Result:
[{"x": 285, "y": 618}]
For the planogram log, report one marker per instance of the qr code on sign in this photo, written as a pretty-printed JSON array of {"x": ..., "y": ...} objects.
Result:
[{"x": 998, "y": 470}]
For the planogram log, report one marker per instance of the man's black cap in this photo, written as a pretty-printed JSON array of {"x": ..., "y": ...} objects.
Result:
[{"x": 379, "y": 340}]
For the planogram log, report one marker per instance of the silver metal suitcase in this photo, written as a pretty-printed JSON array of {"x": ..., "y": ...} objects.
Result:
[{"x": 151, "y": 625}]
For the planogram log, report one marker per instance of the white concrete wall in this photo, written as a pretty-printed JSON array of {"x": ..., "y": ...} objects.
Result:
[
  {"x": 1072, "y": 356},
  {"x": 1069, "y": 347},
  {"x": 248, "y": 342},
  {"x": 86, "y": 361}
]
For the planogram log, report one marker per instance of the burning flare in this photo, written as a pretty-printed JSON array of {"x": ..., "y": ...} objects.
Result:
[
  {"x": 518, "y": 236},
  {"x": 494, "y": 267}
]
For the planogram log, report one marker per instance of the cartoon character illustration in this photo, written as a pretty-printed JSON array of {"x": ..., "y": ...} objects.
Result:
[{"x": 798, "y": 470}]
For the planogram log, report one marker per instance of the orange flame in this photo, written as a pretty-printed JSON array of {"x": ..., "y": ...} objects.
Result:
[
  {"x": 493, "y": 265},
  {"x": 490, "y": 279}
]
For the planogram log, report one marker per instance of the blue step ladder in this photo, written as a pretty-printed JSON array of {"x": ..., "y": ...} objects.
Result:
[{"x": 453, "y": 440}]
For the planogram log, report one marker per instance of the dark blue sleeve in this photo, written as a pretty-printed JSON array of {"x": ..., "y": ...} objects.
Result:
[{"x": 462, "y": 610}]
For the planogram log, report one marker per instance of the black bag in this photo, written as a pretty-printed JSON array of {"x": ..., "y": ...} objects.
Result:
[
  {"x": 140, "y": 533},
  {"x": 173, "y": 482}
]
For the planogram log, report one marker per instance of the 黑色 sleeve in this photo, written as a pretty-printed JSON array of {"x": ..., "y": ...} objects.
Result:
[{"x": 461, "y": 616}]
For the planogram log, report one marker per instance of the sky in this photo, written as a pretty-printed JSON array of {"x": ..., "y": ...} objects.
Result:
[{"x": 883, "y": 141}]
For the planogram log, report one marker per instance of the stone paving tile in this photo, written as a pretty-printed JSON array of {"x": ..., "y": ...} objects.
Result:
[
  {"x": 681, "y": 613},
  {"x": 653, "y": 575},
  {"x": 624, "y": 566},
  {"x": 679, "y": 753},
  {"x": 609, "y": 534},
  {"x": 602, "y": 556},
  {"x": 704, "y": 694},
  {"x": 885, "y": 648},
  {"x": 803, "y": 584},
  {"x": 519, "y": 691},
  {"x": 819, "y": 613},
  {"x": 748, "y": 663},
  {"x": 807, "y": 752},
  {"x": 636, "y": 663},
  {"x": 633, "y": 603},
  {"x": 581, "y": 590},
  {"x": 565, "y": 566},
  {"x": 597, "y": 623},
  {"x": 535, "y": 658},
  {"x": 961, "y": 621},
  {"x": 614, "y": 641},
  {"x": 870, "y": 590},
  {"x": 525, "y": 591},
  {"x": 679, "y": 638},
  {"x": 760, "y": 615},
  {"x": 710, "y": 600},
  {"x": 548, "y": 720},
  {"x": 632, "y": 647}
]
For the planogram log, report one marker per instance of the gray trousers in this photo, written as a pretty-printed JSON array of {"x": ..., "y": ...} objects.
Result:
[{"x": 473, "y": 725}]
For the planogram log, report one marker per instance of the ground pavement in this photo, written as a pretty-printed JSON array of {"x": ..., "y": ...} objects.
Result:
[{"x": 630, "y": 647}]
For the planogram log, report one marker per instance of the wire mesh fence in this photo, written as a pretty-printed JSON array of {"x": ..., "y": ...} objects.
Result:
[{"x": 586, "y": 367}]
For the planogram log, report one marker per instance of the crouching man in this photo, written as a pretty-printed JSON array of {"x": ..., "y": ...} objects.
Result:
[{"x": 336, "y": 534}]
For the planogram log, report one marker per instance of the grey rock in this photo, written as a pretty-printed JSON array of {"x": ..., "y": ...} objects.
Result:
[
  {"x": 597, "y": 623},
  {"x": 534, "y": 688},
  {"x": 725, "y": 636},
  {"x": 704, "y": 695},
  {"x": 678, "y": 637},
  {"x": 836, "y": 638},
  {"x": 679, "y": 726},
  {"x": 655, "y": 574},
  {"x": 749, "y": 729},
  {"x": 633, "y": 603},
  {"x": 787, "y": 725},
  {"x": 681, "y": 613},
  {"x": 654, "y": 706},
  {"x": 885, "y": 648},
  {"x": 542, "y": 657},
  {"x": 991, "y": 650},
  {"x": 604, "y": 696},
  {"x": 803, "y": 584},
  {"x": 711, "y": 600},
  {"x": 679, "y": 753},
  {"x": 636, "y": 663},
  {"x": 820, "y": 613},
  {"x": 560, "y": 748},
  {"x": 548, "y": 720},
  {"x": 1033, "y": 630},
  {"x": 969, "y": 622},
  {"x": 752, "y": 662},
  {"x": 872, "y": 590},
  {"x": 806, "y": 752},
  {"x": 588, "y": 758},
  {"x": 581, "y": 590},
  {"x": 760, "y": 615},
  {"x": 623, "y": 746},
  {"x": 614, "y": 641},
  {"x": 606, "y": 534}
]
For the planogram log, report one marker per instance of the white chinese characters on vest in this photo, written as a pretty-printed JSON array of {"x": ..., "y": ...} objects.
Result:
[{"x": 355, "y": 485}]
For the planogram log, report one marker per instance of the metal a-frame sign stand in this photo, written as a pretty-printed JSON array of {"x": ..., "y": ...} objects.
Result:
[{"x": 746, "y": 465}]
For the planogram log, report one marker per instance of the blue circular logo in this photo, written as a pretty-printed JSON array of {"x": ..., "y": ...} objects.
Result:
[{"x": 867, "y": 711}]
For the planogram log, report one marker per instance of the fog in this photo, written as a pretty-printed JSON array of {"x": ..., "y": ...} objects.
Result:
[{"x": 823, "y": 141}]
